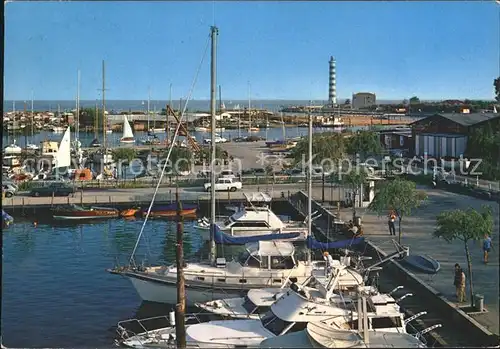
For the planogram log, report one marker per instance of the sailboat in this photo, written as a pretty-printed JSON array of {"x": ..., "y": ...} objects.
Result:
[
  {"x": 63, "y": 156},
  {"x": 263, "y": 264},
  {"x": 32, "y": 146},
  {"x": 128, "y": 135},
  {"x": 250, "y": 128}
]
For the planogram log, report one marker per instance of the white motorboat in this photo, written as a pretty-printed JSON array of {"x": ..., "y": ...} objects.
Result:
[
  {"x": 255, "y": 220},
  {"x": 12, "y": 149},
  {"x": 263, "y": 264},
  {"x": 58, "y": 129},
  {"x": 128, "y": 135},
  {"x": 157, "y": 130},
  {"x": 321, "y": 335},
  {"x": 108, "y": 131},
  {"x": 32, "y": 146},
  {"x": 289, "y": 313}
]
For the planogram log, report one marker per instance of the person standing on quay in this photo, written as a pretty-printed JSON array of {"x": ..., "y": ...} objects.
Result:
[
  {"x": 486, "y": 247},
  {"x": 459, "y": 283},
  {"x": 392, "y": 219}
]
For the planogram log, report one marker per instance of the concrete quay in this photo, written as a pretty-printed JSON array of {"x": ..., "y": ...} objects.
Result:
[
  {"x": 143, "y": 196},
  {"x": 417, "y": 235}
]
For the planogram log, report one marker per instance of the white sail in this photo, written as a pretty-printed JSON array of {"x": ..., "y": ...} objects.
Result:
[
  {"x": 63, "y": 157},
  {"x": 127, "y": 130},
  {"x": 495, "y": 109}
]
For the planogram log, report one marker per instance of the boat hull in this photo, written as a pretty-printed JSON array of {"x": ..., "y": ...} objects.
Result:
[
  {"x": 171, "y": 213},
  {"x": 161, "y": 292},
  {"x": 84, "y": 215},
  {"x": 127, "y": 140}
]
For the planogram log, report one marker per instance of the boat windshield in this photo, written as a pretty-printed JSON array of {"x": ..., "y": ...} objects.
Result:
[
  {"x": 249, "y": 306},
  {"x": 228, "y": 221},
  {"x": 277, "y": 326}
]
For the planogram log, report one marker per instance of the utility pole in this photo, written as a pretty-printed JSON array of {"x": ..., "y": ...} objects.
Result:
[
  {"x": 213, "y": 84},
  {"x": 180, "y": 308}
]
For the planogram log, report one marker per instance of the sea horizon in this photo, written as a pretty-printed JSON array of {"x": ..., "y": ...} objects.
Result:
[{"x": 193, "y": 105}]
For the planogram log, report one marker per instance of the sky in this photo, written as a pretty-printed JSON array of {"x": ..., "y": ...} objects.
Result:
[{"x": 265, "y": 50}]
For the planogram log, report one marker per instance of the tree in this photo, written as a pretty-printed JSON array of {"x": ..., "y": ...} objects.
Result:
[
  {"x": 327, "y": 149},
  {"x": 355, "y": 179},
  {"x": 399, "y": 195},
  {"x": 347, "y": 101},
  {"x": 414, "y": 100},
  {"x": 181, "y": 159},
  {"x": 496, "y": 83},
  {"x": 364, "y": 143},
  {"x": 465, "y": 226},
  {"x": 123, "y": 156}
]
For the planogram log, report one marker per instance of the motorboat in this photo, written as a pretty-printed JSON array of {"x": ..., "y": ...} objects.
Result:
[
  {"x": 130, "y": 212},
  {"x": 423, "y": 263},
  {"x": 259, "y": 301},
  {"x": 12, "y": 149},
  {"x": 128, "y": 135},
  {"x": 58, "y": 129},
  {"x": 32, "y": 146},
  {"x": 151, "y": 140},
  {"x": 76, "y": 212},
  {"x": 256, "y": 220},
  {"x": 157, "y": 130},
  {"x": 263, "y": 264},
  {"x": 289, "y": 313},
  {"x": 109, "y": 131},
  {"x": 322, "y": 335},
  {"x": 252, "y": 306}
]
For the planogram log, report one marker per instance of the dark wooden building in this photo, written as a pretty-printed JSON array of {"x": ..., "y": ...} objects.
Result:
[
  {"x": 396, "y": 139},
  {"x": 446, "y": 135}
]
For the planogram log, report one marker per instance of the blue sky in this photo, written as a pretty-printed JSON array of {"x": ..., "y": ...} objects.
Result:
[{"x": 430, "y": 49}]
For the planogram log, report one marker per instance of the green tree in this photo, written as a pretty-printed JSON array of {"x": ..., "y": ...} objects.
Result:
[
  {"x": 327, "y": 149},
  {"x": 414, "y": 100},
  {"x": 347, "y": 101},
  {"x": 484, "y": 144},
  {"x": 181, "y": 159},
  {"x": 465, "y": 226},
  {"x": 364, "y": 143},
  {"x": 496, "y": 84},
  {"x": 124, "y": 154},
  {"x": 354, "y": 179},
  {"x": 399, "y": 195}
]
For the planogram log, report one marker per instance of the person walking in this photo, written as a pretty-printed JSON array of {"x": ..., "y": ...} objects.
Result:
[
  {"x": 486, "y": 247},
  {"x": 392, "y": 219},
  {"x": 459, "y": 283}
]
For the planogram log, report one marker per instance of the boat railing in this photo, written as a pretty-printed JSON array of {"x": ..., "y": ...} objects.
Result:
[{"x": 125, "y": 331}]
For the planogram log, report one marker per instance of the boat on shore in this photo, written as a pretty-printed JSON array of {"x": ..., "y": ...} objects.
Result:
[{"x": 76, "y": 212}]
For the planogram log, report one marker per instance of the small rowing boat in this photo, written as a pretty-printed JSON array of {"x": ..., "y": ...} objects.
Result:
[
  {"x": 171, "y": 210},
  {"x": 130, "y": 212},
  {"x": 75, "y": 212}
]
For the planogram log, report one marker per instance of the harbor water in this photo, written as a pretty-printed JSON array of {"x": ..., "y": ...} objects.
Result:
[{"x": 56, "y": 290}]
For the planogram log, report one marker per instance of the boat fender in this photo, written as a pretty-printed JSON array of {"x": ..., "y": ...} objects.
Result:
[{"x": 171, "y": 318}]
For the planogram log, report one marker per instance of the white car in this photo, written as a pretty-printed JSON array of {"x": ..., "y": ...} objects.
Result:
[
  {"x": 218, "y": 139},
  {"x": 224, "y": 184}
]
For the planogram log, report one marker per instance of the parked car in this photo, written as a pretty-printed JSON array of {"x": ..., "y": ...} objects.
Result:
[
  {"x": 218, "y": 139},
  {"x": 228, "y": 174},
  {"x": 8, "y": 190},
  {"x": 254, "y": 172},
  {"x": 225, "y": 184},
  {"x": 54, "y": 188}
]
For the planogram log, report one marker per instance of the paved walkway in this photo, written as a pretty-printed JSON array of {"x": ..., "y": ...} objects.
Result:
[{"x": 417, "y": 234}]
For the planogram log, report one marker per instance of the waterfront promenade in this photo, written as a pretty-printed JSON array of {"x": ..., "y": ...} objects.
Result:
[{"x": 417, "y": 234}]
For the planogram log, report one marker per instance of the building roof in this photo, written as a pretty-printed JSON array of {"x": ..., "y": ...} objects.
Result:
[{"x": 466, "y": 119}]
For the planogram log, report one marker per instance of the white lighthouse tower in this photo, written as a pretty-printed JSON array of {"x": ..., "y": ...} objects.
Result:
[{"x": 332, "y": 85}]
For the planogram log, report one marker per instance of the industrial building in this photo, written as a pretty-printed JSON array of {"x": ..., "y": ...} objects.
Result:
[
  {"x": 362, "y": 100},
  {"x": 446, "y": 135}
]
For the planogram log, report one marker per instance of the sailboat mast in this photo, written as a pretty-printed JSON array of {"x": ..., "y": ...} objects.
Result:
[
  {"x": 249, "y": 113},
  {"x": 32, "y": 115},
  {"x": 96, "y": 122},
  {"x": 309, "y": 185},
  {"x": 149, "y": 98},
  {"x": 77, "y": 126},
  {"x": 213, "y": 84},
  {"x": 103, "y": 105}
]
